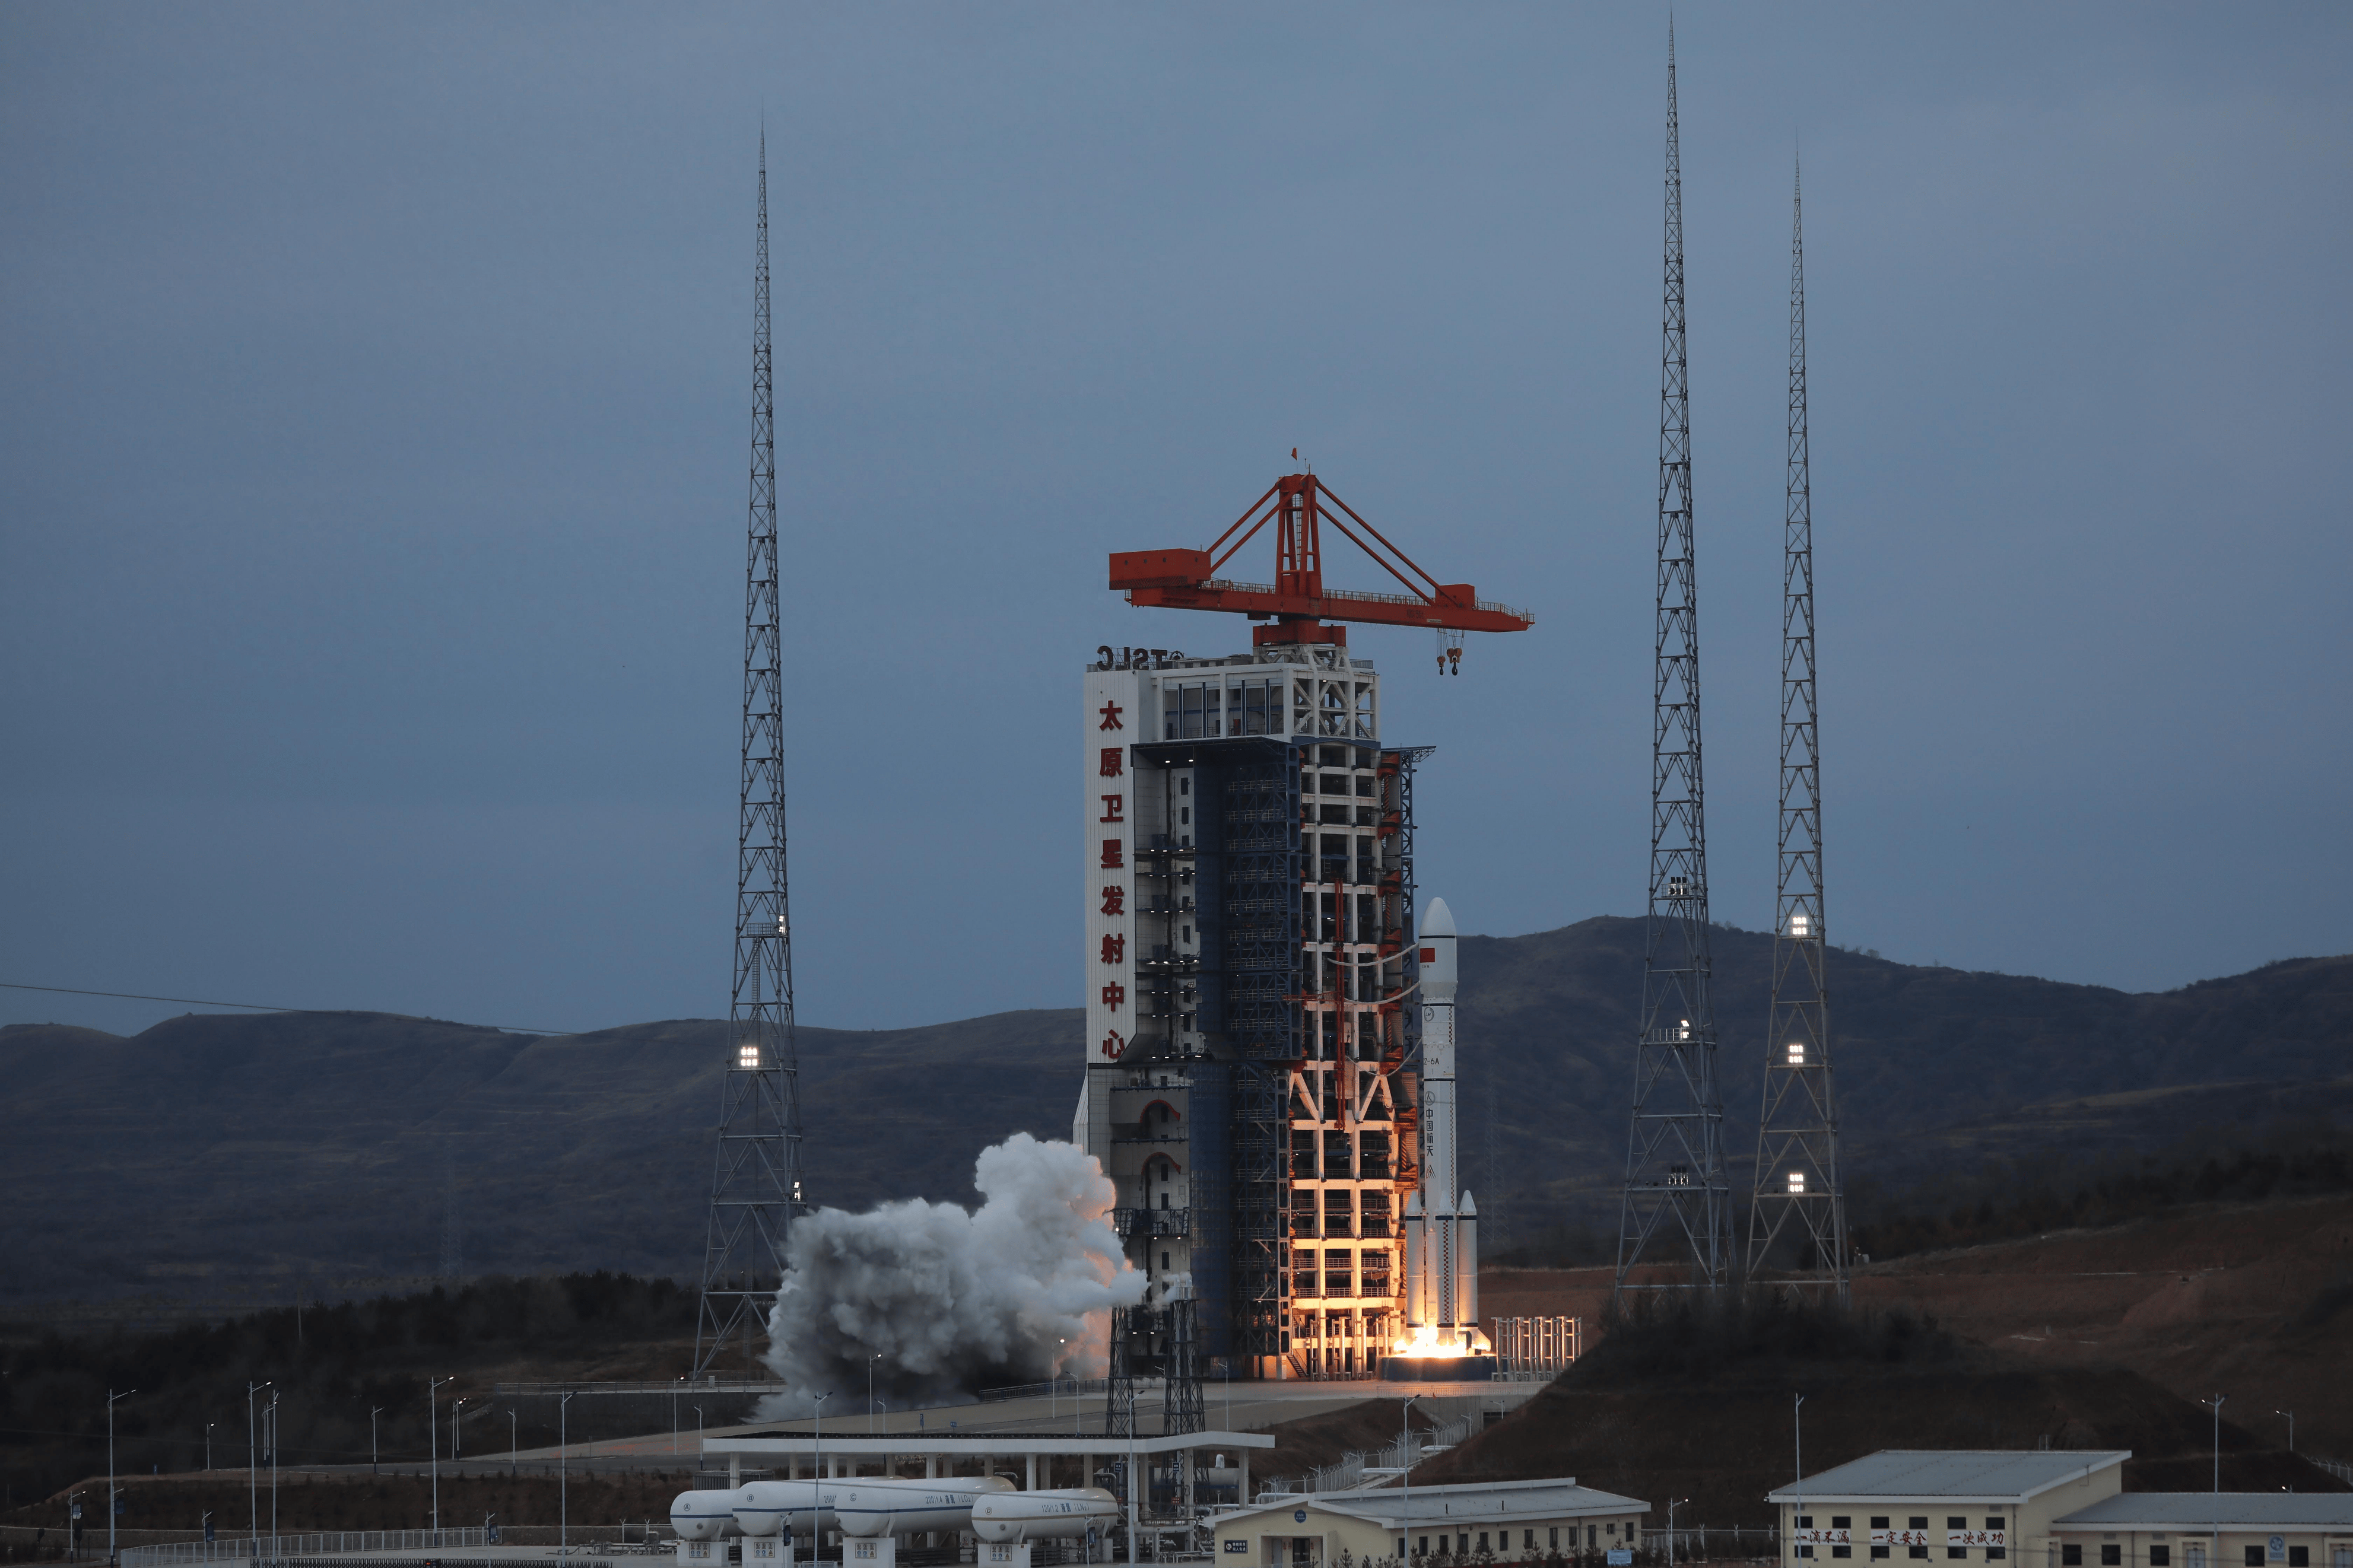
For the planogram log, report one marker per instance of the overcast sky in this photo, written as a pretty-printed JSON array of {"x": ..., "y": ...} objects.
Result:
[{"x": 373, "y": 470}]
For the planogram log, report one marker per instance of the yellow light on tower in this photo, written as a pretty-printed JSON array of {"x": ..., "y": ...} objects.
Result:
[
  {"x": 1801, "y": 925},
  {"x": 1796, "y": 1182},
  {"x": 1796, "y": 1053},
  {"x": 747, "y": 1056}
]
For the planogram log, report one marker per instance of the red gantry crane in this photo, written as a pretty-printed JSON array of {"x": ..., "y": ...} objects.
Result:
[{"x": 1297, "y": 601}]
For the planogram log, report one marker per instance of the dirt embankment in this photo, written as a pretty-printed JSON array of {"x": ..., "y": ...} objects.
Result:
[{"x": 2250, "y": 1301}]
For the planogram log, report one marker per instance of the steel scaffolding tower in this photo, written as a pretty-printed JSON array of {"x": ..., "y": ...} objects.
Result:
[
  {"x": 755, "y": 1183},
  {"x": 1798, "y": 1176},
  {"x": 1674, "y": 1152}
]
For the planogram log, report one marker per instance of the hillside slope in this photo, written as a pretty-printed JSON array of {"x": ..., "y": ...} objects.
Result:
[
  {"x": 233, "y": 1161},
  {"x": 2250, "y": 1300}
]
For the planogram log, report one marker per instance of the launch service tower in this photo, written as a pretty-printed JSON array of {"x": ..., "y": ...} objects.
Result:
[{"x": 1254, "y": 1035}]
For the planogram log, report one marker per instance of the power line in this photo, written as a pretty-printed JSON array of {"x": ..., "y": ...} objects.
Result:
[{"x": 250, "y": 1006}]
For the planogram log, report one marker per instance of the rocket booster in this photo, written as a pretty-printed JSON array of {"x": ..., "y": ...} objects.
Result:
[{"x": 1442, "y": 1238}]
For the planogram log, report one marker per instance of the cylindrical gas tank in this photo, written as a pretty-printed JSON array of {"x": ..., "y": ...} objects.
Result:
[
  {"x": 705, "y": 1516},
  {"x": 876, "y": 1507},
  {"x": 766, "y": 1507},
  {"x": 1017, "y": 1516}
]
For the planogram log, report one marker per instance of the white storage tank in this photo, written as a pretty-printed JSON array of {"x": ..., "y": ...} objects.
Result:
[
  {"x": 1062, "y": 1515},
  {"x": 705, "y": 1515},
  {"x": 878, "y": 1507},
  {"x": 764, "y": 1508}
]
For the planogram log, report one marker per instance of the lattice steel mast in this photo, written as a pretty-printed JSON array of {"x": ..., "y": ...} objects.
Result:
[
  {"x": 1798, "y": 1177},
  {"x": 755, "y": 1183},
  {"x": 1675, "y": 1153}
]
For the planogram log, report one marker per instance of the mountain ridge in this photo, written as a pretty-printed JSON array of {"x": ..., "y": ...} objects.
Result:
[{"x": 241, "y": 1160}]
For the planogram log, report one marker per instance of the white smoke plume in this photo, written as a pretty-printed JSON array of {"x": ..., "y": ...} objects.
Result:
[{"x": 1017, "y": 1290}]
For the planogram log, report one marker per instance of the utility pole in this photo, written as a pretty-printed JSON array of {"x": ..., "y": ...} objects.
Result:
[
  {"x": 755, "y": 1183},
  {"x": 1674, "y": 1149},
  {"x": 374, "y": 1411},
  {"x": 1797, "y": 1175}
]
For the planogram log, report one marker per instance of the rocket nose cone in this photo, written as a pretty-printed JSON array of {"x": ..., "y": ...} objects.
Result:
[{"x": 1437, "y": 919}]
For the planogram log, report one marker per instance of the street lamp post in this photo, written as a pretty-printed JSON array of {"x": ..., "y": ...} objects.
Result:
[
  {"x": 110, "y": 1397},
  {"x": 1672, "y": 1503},
  {"x": 210, "y": 1425},
  {"x": 1798, "y": 1421},
  {"x": 270, "y": 1425},
  {"x": 1405, "y": 1477},
  {"x": 374, "y": 1411},
  {"x": 252, "y": 1466},
  {"x": 513, "y": 1446},
  {"x": 433, "y": 1438},
  {"x": 457, "y": 1432},
  {"x": 816, "y": 1461},
  {"x": 870, "y": 1390},
  {"x": 563, "y": 1473},
  {"x": 2290, "y": 1427}
]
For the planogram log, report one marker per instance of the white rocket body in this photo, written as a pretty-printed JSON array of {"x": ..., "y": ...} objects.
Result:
[{"x": 1441, "y": 1222}]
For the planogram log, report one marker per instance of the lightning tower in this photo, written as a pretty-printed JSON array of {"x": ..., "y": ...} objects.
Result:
[
  {"x": 755, "y": 1183},
  {"x": 1675, "y": 1179},
  {"x": 1797, "y": 1179}
]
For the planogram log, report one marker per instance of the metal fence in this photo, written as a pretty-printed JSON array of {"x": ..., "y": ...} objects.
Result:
[
  {"x": 1068, "y": 1386},
  {"x": 1536, "y": 1344},
  {"x": 278, "y": 1548},
  {"x": 1701, "y": 1543},
  {"x": 1351, "y": 1470}
]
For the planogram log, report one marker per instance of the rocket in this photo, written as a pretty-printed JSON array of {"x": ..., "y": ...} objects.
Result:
[{"x": 1441, "y": 1222}]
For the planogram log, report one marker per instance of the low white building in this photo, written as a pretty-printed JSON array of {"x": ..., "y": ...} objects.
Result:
[
  {"x": 1943, "y": 1505},
  {"x": 1510, "y": 1518},
  {"x": 2207, "y": 1530}
]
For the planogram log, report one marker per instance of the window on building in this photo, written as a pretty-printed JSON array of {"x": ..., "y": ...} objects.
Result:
[
  {"x": 2160, "y": 1557},
  {"x": 1592, "y": 1536},
  {"x": 1919, "y": 1552},
  {"x": 2111, "y": 1556},
  {"x": 1841, "y": 1550},
  {"x": 1842, "y": 1522},
  {"x": 1805, "y": 1522},
  {"x": 1483, "y": 1540},
  {"x": 1919, "y": 1521},
  {"x": 1878, "y": 1553},
  {"x": 1956, "y": 1522},
  {"x": 1805, "y": 1551},
  {"x": 1554, "y": 1542},
  {"x": 2299, "y": 1557},
  {"x": 1528, "y": 1543},
  {"x": 2254, "y": 1557},
  {"x": 1993, "y": 1521},
  {"x": 1879, "y": 1522}
]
